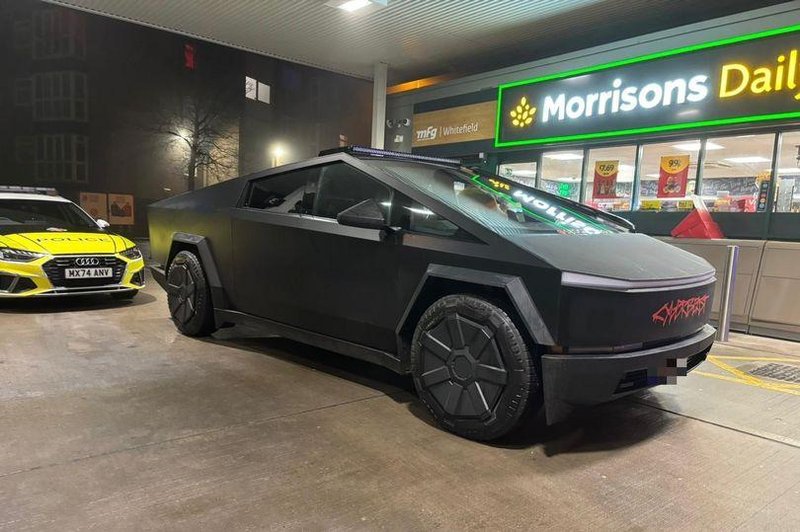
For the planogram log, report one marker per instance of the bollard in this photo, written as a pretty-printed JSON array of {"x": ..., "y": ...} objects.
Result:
[{"x": 728, "y": 282}]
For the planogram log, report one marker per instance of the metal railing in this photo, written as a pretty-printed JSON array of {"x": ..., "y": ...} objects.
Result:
[{"x": 728, "y": 283}]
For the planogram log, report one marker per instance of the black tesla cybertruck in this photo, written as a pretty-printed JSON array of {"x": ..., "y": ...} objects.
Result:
[{"x": 498, "y": 298}]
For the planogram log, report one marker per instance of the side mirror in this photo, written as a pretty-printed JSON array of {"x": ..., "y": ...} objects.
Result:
[
  {"x": 102, "y": 224},
  {"x": 367, "y": 214}
]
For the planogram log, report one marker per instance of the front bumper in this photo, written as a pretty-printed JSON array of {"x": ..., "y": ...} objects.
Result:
[
  {"x": 584, "y": 380},
  {"x": 30, "y": 279}
]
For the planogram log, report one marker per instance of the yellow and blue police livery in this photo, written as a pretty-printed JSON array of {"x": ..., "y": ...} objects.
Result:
[{"x": 49, "y": 246}]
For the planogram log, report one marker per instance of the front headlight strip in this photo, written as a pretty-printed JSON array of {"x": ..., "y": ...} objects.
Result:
[
  {"x": 19, "y": 255},
  {"x": 132, "y": 253}
]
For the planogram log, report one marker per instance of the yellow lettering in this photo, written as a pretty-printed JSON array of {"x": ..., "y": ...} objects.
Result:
[
  {"x": 762, "y": 80},
  {"x": 790, "y": 76},
  {"x": 744, "y": 78}
]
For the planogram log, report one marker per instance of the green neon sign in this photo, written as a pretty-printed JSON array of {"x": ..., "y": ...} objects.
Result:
[{"x": 744, "y": 79}]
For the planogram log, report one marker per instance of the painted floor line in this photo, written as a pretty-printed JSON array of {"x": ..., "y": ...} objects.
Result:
[
  {"x": 760, "y": 384},
  {"x": 759, "y": 359},
  {"x": 777, "y": 438}
]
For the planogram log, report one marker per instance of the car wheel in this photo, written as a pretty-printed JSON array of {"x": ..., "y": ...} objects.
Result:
[
  {"x": 189, "y": 296},
  {"x": 472, "y": 368},
  {"x": 127, "y": 294}
]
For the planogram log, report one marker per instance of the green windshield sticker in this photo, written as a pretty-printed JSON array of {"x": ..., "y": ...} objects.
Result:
[{"x": 538, "y": 208}]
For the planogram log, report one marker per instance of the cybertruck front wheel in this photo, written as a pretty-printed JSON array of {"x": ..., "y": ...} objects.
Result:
[
  {"x": 472, "y": 368},
  {"x": 189, "y": 296}
]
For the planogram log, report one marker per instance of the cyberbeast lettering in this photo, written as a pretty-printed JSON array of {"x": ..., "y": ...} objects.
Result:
[{"x": 680, "y": 309}]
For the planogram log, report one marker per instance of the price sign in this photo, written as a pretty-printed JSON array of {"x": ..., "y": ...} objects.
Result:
[{"x": 673, "y": 176}]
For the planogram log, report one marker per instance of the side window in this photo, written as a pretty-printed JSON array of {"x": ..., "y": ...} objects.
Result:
[
  {"x": 341, "y": 186},
  {"x": 416, "y": 218},
  {"x": 284, "y": 193}
]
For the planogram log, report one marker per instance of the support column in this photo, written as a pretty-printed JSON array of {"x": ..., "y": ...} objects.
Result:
[{"x": 379, "y": 104}]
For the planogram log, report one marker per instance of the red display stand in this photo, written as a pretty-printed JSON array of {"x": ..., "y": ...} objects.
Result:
[{"x": 697, "y": 224}]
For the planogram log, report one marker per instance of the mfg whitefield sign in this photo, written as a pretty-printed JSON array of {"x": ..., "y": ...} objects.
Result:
[
  {"x": 456, "y": 124},
  {"x": 752, "y": 78}
]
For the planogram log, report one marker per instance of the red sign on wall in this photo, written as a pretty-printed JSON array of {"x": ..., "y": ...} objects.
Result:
[
  {"x": 605, "y": 179},
  {"x": 673, "y": 176}
]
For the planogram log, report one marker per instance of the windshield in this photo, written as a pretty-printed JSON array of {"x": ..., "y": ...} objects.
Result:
[
  {"x": 503, "y": 206},
  {"x": 43, "y": 213}
]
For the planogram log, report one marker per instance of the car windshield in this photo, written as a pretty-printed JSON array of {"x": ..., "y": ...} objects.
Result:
[
  {"x": 503, "y": 206},
  {"x": 43, "y": 213}
]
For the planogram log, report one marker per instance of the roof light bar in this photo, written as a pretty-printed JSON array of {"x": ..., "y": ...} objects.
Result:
[
  {"x": 47, "y": 191},
  {"x": 374, "y": 152}
]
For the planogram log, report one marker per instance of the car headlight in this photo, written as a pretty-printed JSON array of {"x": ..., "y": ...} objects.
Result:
[
  {"x": 19, "y": 255},
  {"x": 132, "y": 253}
]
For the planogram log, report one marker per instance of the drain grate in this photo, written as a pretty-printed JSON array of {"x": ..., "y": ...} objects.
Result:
[{"x": 779, "y": 372}]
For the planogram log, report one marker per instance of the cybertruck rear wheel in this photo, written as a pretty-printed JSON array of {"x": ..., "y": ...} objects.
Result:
[
  {"x": 472, "y": 368},
  {"x": 189, "y": 296}
]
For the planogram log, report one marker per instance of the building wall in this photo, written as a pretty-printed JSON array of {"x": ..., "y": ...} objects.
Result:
[{"x": 92, "y": 104}]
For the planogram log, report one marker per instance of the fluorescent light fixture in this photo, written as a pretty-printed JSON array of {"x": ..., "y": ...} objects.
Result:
[
  {"x": 652, "y": 175},
  {"x": 789, "y": 170},
  {"x": 523, "y": 173},
  {"x": 695, "y": 146},
  {"x": 564, "y": 156},
  {"x": 747, "y": 159},
  {"x": 353, "y": 5}
]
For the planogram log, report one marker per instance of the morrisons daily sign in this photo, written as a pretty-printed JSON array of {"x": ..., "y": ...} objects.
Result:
[{"x": 754, "y": 78}]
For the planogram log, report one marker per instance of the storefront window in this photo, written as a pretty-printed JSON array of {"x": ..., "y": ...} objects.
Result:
[
  {"x": 524, "y": 173},
  {"x": 736, "y": 173},
  {"x": 561, "y": 173},
  {"x": 609, "y": 178},
  {"x": 668, "y": 174},
  {"x": 787, "y": 184}
]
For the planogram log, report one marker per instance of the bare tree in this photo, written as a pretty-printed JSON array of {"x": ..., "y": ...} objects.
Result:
[
  {"x": 197, "y": 121},
  {"x": 206, "y": 130}
]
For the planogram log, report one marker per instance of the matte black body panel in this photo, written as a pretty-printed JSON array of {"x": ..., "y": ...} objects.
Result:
[
  {"x": 632, "y": 317},
  {"x": 513, "y": 287},
  {"x": 203, "y": 213},
  {"x": 359, "y": 291},
  {"x": 625, "y": 256},
  {"x": 336, "y": 345},
  {"x": 590, "y": 379}
]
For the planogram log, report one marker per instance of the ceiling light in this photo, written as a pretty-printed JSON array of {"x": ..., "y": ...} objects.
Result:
[
  {"x": 652, "y": 175},
  {"x": 789, "y": 170},
  {"x": 353, "y": 5},
  {"x": 564, "y": 156},
  {"x": 523, "y": 173},
  {"x": 695, "y": 146},
  {"x": 747, "y": 159}
]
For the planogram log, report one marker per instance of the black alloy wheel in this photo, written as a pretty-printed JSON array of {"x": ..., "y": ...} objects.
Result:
[
  {"x": 472, "y": 368},
  {"x": 188, "y": 296}
]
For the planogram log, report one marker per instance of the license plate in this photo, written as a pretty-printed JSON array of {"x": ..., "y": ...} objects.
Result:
[{"x": 87, "y": 273}]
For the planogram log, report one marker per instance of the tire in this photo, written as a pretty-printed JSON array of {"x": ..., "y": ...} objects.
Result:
[
  {"x": 472, "y": 368},
  {"x": 124, "y": 296},
  {"x": 189, "y": 296}
]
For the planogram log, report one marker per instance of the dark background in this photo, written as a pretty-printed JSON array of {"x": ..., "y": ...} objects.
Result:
[{"x": 109, "y": 133}]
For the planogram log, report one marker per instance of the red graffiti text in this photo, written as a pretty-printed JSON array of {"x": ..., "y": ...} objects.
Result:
[{"x": 680, "y": 309}]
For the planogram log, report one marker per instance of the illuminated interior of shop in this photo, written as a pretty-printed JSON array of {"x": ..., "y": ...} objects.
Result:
[
  {"x": 612, "y": 192},
  {"x": 735, "y": 177},
  {"x": 561, "y": 173}
]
